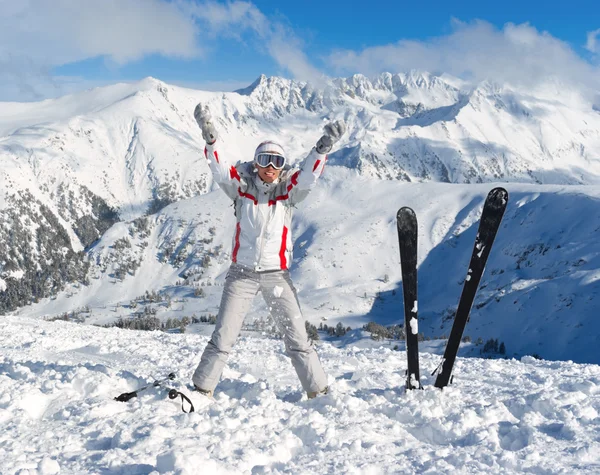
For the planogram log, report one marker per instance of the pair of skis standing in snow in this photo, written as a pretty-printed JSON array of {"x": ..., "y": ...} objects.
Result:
[
  {"x": 491, "y": 217},
  {"x": 264, "y": 193}
]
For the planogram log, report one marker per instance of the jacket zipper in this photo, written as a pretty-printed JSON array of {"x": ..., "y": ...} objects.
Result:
[{"x": 262, "y": 234}]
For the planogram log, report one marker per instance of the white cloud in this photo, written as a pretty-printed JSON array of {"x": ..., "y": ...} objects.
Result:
[
  {"x": 592, "y": 41},
  {"x": 518, "y": 54},
  {"x": 63, "y": 31},
  {"x": 286, "y": 49},
  {"x": 278, "y": 40},
  {"x": 38, "y": 35},
  {"x": 37, "y": 85},
  {"x": 228, "y": 19}
]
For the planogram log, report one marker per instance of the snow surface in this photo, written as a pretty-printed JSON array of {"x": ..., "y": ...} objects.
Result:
[{"x": 58, "y": 380}]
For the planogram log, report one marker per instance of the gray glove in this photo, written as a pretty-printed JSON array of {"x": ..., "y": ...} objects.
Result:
[
  {"x": 205, "y": 122},
  {"x": 333, "y": 132}
]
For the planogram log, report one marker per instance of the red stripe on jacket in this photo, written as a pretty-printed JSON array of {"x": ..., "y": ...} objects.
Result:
[
  {"x": 294, "y": 179},
  {"x": 318, "y": 162},
  {"x": 236, "y": 246},
  {"x": 214, "y": 153},
  {"x": 247, "y": 195},
  {"x": 233, "y": 173},
  {"x": 294, "y": 182},
  {"x": 282, "y": 259}
]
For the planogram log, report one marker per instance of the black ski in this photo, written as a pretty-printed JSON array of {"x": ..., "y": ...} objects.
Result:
[
  {"x": 491, "y": 217},
  {"x": 406, "y": 221}
]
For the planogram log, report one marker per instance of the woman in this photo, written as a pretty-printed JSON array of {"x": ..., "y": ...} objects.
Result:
[{"x": 264, "y": 192}]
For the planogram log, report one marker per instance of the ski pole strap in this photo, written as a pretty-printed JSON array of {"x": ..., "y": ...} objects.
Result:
[
  {"x": 438, "y": 367},
  {"x": 173, "y": 393},
  {"x": 158, "y": 382}
]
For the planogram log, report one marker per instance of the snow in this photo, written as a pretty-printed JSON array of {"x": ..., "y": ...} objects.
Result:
[
  {"x": 414, "y": 383},
  {"x": 15, "y": 274},
  {"x": 414, "y": 326},
  {"x": 277, "y": 291},
  {"x": 2, "y": 285},
  {"x": 58, "y": 381},
  {"x": 48, "y": 466}
]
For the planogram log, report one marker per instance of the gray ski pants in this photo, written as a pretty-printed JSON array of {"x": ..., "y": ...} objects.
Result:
[{"x": 241, "y": 286}]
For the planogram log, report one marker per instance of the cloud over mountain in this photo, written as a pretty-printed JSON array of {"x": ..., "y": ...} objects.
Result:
[{"x": 517, "y": 54}]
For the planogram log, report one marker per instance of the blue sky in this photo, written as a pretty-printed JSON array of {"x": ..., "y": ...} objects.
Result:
[{"x": 51, "y": 48}]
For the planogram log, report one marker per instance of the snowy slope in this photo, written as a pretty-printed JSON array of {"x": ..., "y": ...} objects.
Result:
[
  {"x": 57, "y": 381},
  {"x": 540, "y": 293},
  {"x": 116, "y": 141}
]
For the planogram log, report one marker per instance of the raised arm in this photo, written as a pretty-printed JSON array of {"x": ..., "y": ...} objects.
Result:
[
  {"x": 223, "y": 172},
  {"x": 303, "y": 180}
]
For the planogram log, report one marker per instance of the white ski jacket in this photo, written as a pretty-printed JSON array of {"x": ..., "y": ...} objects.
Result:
[{"x": 263, "y": 238}]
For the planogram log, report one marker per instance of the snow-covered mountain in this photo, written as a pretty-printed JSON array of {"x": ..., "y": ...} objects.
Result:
[{"x": 105, "y": 195}]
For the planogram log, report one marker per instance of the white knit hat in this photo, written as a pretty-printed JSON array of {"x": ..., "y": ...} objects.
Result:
[{"x": 269, "y": 147}]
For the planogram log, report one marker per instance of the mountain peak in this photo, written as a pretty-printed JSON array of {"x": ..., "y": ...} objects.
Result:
[
  {"x": 247, "y": 91},
  {"x": 420, "y": 79},
  {"x": 150, "y": 82}
]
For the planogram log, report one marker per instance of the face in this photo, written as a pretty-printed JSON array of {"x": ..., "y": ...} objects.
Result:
[{"x": 268, "y": 174}]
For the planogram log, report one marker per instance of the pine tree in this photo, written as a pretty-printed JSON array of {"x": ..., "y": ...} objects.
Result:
[{"x": 311, "y": 331}]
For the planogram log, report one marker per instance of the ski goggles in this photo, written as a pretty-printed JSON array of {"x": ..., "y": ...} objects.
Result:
[{"x": 263, "y": 160}]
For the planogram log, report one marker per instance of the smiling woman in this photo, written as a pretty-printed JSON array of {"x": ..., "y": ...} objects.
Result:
[
  {"x": 267, "y": 174},
  {"x": 262, "y": 250},
  {"x": 269, "y": 160}
]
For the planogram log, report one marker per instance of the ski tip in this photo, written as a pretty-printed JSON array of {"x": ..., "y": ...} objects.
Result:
[
  {"x": 498, "y": 193},
  {"x": 405, "y": 212},
  {"x": 497, "y": 198}
]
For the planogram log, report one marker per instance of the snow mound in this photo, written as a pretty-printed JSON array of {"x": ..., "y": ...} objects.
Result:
[{"x": 58, "y": 380}]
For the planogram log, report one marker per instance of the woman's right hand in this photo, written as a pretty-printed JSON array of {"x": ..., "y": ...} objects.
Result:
[{"x": 205, "y": 122}]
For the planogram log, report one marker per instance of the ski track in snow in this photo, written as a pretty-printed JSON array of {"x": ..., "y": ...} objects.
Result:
[{"x": 58, "y": 380}]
